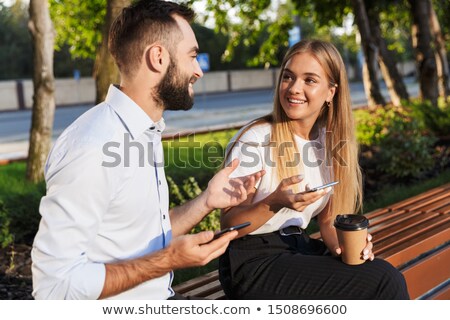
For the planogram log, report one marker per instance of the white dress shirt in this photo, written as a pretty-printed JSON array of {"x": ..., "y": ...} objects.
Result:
[
  {"x": 254, "y": 152},
  {"x": 107, "y": 201}
]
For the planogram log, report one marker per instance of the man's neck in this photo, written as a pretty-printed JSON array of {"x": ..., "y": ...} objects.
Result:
[{"x": 144, "y": 100}]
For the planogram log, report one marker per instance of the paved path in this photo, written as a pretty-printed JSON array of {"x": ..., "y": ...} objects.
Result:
[{"x": 210, "y": 112}]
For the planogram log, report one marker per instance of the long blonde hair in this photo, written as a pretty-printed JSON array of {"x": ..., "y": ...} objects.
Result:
[{"x": 337, "y": 119}]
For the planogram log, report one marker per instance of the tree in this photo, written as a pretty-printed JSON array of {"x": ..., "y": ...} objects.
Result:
[
  {"x": 105, "y": 69},
  {"x": 425, "y": 59},
  {"x": 370, "y": 50},
  {"x": 441, "y": 54},
  {"x": 386, "y": 60},
  {"x": 42, "y": 32},
  {"x": 84, "y": 26}
]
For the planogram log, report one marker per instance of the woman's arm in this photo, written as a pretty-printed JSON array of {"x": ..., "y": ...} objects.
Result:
[
  {"x": 260, "y": 212},
  {"x": 327, "y": 229}
]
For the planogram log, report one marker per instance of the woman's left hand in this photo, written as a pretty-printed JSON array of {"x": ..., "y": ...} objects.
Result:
[{"x": 367, "y": 253}]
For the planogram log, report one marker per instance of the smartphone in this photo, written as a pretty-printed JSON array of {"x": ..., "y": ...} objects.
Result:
[
  {"x": 322, "y": 187},
  {"x": 236, "y": 227}
]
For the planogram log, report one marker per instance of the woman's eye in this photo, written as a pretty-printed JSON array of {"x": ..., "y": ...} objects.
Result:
[
  {"x": 287, "y": 77},
  {"x": 310, "y": 81}
]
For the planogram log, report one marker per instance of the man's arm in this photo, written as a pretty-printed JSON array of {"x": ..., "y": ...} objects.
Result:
[
  {"x": 78, "y": 193},
  {"x": 222, "y": 192},
  {"x": 183, "y": 252}
]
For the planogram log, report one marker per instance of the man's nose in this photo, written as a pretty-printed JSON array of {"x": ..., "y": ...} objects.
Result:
[{"x": 197, "y": 70}]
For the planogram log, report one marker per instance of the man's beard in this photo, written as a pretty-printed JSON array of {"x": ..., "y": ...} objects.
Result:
[{"x": 173, "y": 90}]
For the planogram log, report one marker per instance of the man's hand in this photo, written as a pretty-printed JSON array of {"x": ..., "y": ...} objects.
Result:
[
  {"x": 224, "y": 192},
  {"x": 194, "y": 250},
  {"x": 183, "y": 252}
]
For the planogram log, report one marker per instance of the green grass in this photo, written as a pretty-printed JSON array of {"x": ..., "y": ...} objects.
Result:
[
  {"x": 197, "y": 155},
  {"x": 392, "y": 194},
  {"x": 20, "y": 201}
]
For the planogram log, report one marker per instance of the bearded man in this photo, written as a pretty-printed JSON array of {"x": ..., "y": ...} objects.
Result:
[{"x": 106, "y": 229}]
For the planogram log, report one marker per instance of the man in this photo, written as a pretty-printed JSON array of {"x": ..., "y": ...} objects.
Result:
[{"x": 105, "y": 230}]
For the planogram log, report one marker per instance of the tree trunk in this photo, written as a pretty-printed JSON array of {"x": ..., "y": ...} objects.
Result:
[
  {"x": 441, "y": 54},
  {"x": 391, "y": 75},
  {"x": 42, "y": 33},
  {"x": 105, "y": 69},
  {"x": 425, "y": 59},
  {"x": 370, "y": 50}
]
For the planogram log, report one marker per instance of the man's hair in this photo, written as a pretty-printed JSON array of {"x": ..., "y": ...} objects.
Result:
[{"x": 141, "y": 24}]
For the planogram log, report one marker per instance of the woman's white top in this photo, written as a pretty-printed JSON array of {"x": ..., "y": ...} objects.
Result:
[{"x": 254, "y": 152}]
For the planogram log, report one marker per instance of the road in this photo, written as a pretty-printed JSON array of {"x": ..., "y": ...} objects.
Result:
[{"x": 209, "y": 112}]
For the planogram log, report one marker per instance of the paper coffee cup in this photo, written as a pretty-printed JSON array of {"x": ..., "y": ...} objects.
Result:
[{"x": 352, "y": 235}]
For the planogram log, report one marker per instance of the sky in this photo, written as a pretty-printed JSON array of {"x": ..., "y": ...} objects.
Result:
[{"x": 10, "y": 2}]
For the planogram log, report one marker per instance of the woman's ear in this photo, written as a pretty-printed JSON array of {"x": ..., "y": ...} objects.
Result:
[
  {"x": 155, "y": 58},
  {"x": 331, "y": 93}
]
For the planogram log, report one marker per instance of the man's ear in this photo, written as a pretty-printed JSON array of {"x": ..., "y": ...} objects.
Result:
[{"x": 155, "y": 57}]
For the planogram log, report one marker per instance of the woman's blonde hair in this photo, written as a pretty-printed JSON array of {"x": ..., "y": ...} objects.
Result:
[{"x": 336, "y": 118}]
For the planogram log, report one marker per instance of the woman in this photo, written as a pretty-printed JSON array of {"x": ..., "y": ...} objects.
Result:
[{"x": 307, "y": 141}]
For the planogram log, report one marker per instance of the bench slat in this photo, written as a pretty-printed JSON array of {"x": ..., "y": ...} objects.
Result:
[
  {"x": 219, "y": 295},
  {"x": 414, "y": 247},
  {"x": 428, "y": 273},
  {"x": 395, "y": 231},
  {"x": 443, "y": 294},
  {"x": 389, "y": 218},
  {"x": 426, "y": 205},
  {"x": 197, "y": 282},
  {"x": 437, "y": 206},
  {"x": 204, "y": 290},
  {"x": 423, "y": 196}
]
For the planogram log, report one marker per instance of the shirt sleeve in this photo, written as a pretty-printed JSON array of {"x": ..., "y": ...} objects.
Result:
[
  {"x": 78, "y": 194},
  {"x": 249, "y": 149}
]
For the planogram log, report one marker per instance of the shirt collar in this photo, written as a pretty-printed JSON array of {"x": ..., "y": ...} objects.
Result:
[{"x": 133, "y": 117}]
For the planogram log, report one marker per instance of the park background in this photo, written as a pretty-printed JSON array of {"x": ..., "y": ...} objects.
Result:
[{"x": 404, "y": 139}]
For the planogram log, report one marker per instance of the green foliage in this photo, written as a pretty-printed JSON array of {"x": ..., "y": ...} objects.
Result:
[
  {"x": 6, "y": 238},
  {"x": 78, "y": 24},
  {"x": 20, "y": 202},
  {"x": 188, "y": 191},
  {"x": 437, "y": 119},
  {"x": 15, "y": 42},
  {"x": 252, "y": 24},
  {"x": 399, "y": 145},
  {"x": 17, "y": 50},
  {"x": 392, "y": 193}
]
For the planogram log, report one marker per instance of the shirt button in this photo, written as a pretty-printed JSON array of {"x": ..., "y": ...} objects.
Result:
[
  {"x": 159, "y": 181},
  {"x": 164, "y": 216}
]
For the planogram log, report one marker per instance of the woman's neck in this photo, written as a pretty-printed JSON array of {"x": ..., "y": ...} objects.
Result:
[{"x": 305, "y": 130}]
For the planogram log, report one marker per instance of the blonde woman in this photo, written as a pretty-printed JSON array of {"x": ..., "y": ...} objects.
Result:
[{"x": 307, "y": 141}]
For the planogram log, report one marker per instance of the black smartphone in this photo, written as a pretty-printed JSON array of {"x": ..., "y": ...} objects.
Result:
[
  {"x": 322, "y": 187},
  {"x": 236, "y": 227}
]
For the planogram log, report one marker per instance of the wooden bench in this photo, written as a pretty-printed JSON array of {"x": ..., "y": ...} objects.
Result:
[{"x": 413, "y": 235}]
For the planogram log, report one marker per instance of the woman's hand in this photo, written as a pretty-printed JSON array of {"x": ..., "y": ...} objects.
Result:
[
  {"x": 284, "y": 196},
  {"x": 367, "y": 253}
]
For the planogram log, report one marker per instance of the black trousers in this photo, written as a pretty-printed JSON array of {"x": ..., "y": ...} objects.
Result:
[{"x": 275, "y": 266}]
